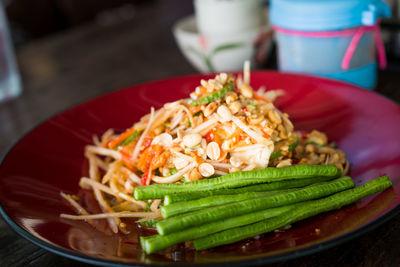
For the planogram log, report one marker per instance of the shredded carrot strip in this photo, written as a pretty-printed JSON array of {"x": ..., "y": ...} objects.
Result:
[
  {"x": 143, "y": 161},
  {"x": 121, "y": 138},
  {"x": 126, "y": 160},
  {"x": 258, "y": 97}
]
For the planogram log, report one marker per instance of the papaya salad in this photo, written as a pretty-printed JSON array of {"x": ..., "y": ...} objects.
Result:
[{"x": 227, "y": 144}]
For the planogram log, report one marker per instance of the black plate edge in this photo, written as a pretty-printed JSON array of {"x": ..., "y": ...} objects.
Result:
[{"x": 261, "y": 261}]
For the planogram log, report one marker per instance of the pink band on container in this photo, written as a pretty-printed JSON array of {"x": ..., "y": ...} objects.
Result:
[{"x": 357, "y": 34}]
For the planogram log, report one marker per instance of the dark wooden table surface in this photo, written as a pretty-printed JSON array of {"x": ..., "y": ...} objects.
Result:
[{"x": 73, "y": 66}]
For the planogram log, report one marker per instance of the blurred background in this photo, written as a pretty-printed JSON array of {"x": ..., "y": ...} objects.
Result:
[
  {"x": 69, "y": 36},
  {"x": 99, "y": 25},
  {"x": 30, "y": 20}
]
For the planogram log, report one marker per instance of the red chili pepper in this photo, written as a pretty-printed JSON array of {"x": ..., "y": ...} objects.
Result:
[
  {"x": 209, "y": 136},
  {"x": 304, "y": 134},
  {"x": 145, "y": 178},
  {"x": 212, "y": 136},
  {"x": 151, "y": 160}
]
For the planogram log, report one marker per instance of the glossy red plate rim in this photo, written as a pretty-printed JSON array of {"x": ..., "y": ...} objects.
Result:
[{"x": 318, "y": 247}]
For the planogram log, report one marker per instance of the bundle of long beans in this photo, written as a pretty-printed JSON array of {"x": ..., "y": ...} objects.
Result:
[{"x": 237, "y": 206}]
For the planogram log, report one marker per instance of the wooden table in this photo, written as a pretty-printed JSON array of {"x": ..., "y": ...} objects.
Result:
[{"x": 73, "y": 66}]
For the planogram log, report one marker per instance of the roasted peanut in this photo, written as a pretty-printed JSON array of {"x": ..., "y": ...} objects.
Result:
[
  {"x": 255, "y": 119},
  {"x": 274, "y": 117},
  {"x": 235, "y": 161},
  {"x": 197, "y": 120},
  {"x": 210, "y": 109},
  {"x": 317, "y": 137},
  {"x": 230, "y": 97},
  {"x": 213, "y": 151},
  {"x": 191, "y": 140},
  {"x": 222, "y": 78},
  {"x": 235, "y": 107},
  {"x": 284, "y": 163},
  {"x": 224, "y": 113},
  {"x": 310, "y": 148},
  {"x": 194, "y": 175},
  {"x": 163, "y": 139},
  {"x": 206, "y": 169},
  {"x": 180, "y": 163}
]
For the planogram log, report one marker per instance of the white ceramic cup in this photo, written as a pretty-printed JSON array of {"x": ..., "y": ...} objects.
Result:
[{"x": 216, "y": 17}]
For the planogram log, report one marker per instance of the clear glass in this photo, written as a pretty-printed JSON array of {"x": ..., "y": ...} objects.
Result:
[{"x": 10, "y": 82}]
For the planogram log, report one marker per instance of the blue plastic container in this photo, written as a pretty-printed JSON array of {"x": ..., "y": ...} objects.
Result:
[{"x": 330, "y": 38}]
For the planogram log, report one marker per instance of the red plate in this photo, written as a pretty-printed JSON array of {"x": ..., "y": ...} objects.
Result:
[{"x": 50, "y": 159}]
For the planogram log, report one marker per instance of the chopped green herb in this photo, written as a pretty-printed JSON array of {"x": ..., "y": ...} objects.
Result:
[
  {"x": 189, "y": 123},
  {"x": 172, "y": 171},
  {"x": 213, "y": 96},
  {"x": 314, "y": 143},
  {"x": 197, "y": 113},
  {"x": 293, "y": 145},
  {"x": 275, "y": 155},
  {"x": 148, "y": 204},
  {"x": 157, "y": 172},
  {"x": 250, "y": 105}
]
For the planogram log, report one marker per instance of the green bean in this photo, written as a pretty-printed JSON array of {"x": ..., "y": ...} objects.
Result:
[
  {"x": 304, "y": 211},
  {"x": 150, "y": 223},
  {"x": 155, "y": 243},
  {"x": 238, "y": 179},
  {"x": 272, "y": 187},
  {"x": 213, "y": 96},
  {"x": 198, "y": 204},
  {"x": 199, "y": 217}
]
